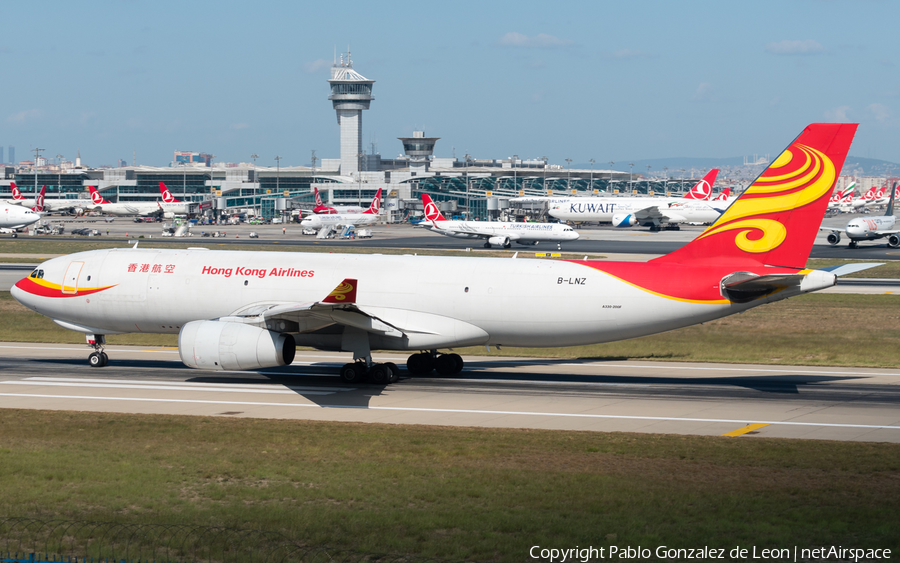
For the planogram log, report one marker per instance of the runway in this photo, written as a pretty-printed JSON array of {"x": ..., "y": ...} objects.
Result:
[{"x": 599, "y": 396}]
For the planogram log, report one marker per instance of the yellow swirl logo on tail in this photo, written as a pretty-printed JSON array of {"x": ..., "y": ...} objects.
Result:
[{"x": 341, "y": 291}]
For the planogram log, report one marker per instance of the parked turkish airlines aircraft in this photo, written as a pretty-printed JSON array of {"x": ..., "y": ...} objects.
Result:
[
  {"x": 869, "y": 228},
  {"x": 866, "y": 200},
  {"x": 703, "y": 189},
  {"x": 500, "y": 233},
  {"x": 141, "y": 208},
  {"x": 14, "y": 217},
  {"x": 322, "y": 209},
  {"x": 17, "y": 197},
  {"x": 241, "y": 310},
  {"x": 725, "y": 195},
  {"x": 335, "y": 220},
  {"x": 39, "y": 200},
  {"x": 842, "y": 197}
]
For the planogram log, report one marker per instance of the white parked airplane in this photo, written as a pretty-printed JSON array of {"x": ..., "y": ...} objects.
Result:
[
  {"x": 14, "y": 217},
  {"x": 653, "y": 212},
  {"x": 240, "y": 310},
  {"x": 500, "y": 233},
  {"x": 169, "y": 204},
  {"x": 335, "y": 220},
  {"x": 869, "y": 228},
  {"x": 322, "y": 209}
]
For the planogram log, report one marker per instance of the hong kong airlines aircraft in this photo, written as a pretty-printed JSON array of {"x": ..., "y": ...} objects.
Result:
[{"x": 242, "y": 310}]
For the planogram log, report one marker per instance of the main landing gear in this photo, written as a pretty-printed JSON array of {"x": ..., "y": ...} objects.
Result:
[
  {"x": 380, "y": 374},
  {"x": 98, "y": 358},
  {"x": 426, "y": 362}
]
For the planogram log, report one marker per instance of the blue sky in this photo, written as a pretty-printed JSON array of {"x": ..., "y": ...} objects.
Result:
[{"x": 601, "y": 80}]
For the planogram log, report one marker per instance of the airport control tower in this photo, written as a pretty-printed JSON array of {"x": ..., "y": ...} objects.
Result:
[{"x": 351, "y": 93}]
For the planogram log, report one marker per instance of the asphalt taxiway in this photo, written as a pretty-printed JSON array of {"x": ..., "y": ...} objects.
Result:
[{"x": 634, "y": 396}]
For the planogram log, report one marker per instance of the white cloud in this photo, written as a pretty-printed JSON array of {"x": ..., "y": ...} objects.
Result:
[
  {"x": 795, "y": 47},
  {"x": 838, "y": 114},
  {"x": 316, "y": 65},
  {"x": 541, "y": 40},
  {"x": 23, "y": 116},
  {"x": 880, "y": 112}
]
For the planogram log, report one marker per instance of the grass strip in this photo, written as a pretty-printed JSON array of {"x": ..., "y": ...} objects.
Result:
[
  {"x": 458, "y": 493},
  {"x": 816, "y": 329}
]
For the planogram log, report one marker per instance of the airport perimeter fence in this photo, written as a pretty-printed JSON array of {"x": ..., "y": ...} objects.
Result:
[{"x": 29, "y": 540}]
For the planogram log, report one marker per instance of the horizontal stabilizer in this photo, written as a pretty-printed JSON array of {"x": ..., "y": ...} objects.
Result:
[
  {"x": 743, "y": 287},
  {"x": 845, "y": 269}
]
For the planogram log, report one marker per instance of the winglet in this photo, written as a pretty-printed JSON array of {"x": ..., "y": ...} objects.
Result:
[{"x": 344, "y": 293}]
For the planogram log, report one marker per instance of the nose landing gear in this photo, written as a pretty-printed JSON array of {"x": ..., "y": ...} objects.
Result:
[{"x": 98, "y": 358}]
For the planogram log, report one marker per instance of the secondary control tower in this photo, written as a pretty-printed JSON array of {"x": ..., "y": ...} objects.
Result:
[{"x": 351, "y": 93}]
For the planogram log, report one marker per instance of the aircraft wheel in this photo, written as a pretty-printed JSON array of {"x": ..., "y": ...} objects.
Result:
[
  {"x": 105, "y": 359},
  {"x": 852, "y": 244},
  {"x": 448, "y": 364},
  {"x": 487, "y": 245},
  {"x": 95, "y": 360},
  {"x": 380, "y": 374},
  {"x": 459, "y": 363},
  {"x": 419, "y": 364},
  {"x": 507, "y": 245},
  {"x": 395, "y": 372},
  {"x": 351, "y": 373}
]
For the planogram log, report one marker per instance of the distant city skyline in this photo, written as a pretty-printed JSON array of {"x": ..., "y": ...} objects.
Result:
[{"x": 609, "y": 82}]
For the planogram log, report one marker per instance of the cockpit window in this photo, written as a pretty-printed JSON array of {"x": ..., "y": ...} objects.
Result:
[{"x": 38, "y": 274}]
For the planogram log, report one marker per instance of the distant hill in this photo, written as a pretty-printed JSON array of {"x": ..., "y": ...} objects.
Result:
[{"x": 853, "y": 166}]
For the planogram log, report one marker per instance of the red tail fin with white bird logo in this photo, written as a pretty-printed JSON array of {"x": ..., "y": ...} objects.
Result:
[{"x": 703, "y": 189}]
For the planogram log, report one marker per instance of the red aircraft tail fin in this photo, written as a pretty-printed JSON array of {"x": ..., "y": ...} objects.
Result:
[
  {"x": 375, "y": 207},
  {"x": 96, "y": 197},
  {"x": 432, "y": 213},
  {"x": 775, "y": 221},
  {"x": 703, "y": 189},
  {"x": 39, "y": 200},
  {"x": 167, "y": 195},
  {"x": 318, "y": 197},
  {"x": 17, "y": 195}
]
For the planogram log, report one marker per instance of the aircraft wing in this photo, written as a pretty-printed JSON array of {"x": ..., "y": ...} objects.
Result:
[
  {"x": 338, "y": 307},
  {"x": 832, "y": 229},
  {"x": 656, "y": 215}
]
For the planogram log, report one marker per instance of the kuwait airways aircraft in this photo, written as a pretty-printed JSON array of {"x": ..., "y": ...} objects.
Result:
[
  {"x": 335, "y": 220},
  {"x": 242, "y": 310},
  {"x": 501, "y": 233},
  {"x": 869, "y": 228},
  {"x": 653, "y": 212}
]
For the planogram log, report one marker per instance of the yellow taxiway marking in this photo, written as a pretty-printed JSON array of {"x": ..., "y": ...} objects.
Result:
[
  {"x": 744, "y": 430},
  {"x": 887, "y": 292},
  {"x": 160, "y": 349}
]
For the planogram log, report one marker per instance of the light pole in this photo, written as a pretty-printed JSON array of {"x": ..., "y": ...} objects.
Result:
[
  {"x": 359, "y": 179},
  {"x": 59, "y": 158},
  {"x": 253, "y": 157},
  {"x": 211, "y": 157},
  {"x": 568, "y": 174},
  {"x": 631, "y": 177},
  {"x": 468, "y": 210},
  {"x": 277, "y": 173},
  {"x": 592, "y": 161},
  {"x": 37, "y": 155},
  {"x": 666, "y": 179},
  {"x": 609, "y": 187},
  {"x": 648, "y": 179},
  {"x": 515, "y": 178},
  {"x": 544, "y": 158},
  {"x": 682, "y": 180}
]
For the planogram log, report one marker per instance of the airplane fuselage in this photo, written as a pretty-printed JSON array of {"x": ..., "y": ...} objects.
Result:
[
  {"x": 869, "y": 228},
  {"x": 517, "y": 232},
  {"x": 602, "y": 209}
]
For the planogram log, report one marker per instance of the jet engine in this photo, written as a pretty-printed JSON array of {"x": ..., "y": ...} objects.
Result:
[
  {"x": 624, "y": 220},
  {"x": 833, "y": 238},
  {"x": 499, "y": 241},
  {"x": 218, "y": 345},
  {"x": 894, "y": 241}
]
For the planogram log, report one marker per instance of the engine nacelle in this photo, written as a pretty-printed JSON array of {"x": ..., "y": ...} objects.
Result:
[
  {"x": 624, "y": 220},
  {"x": 894, "y": 241},
  {"x": 217, "y": 345},
  {"x": 499, "y": 241},
  {"x": 833, "y": 238}
]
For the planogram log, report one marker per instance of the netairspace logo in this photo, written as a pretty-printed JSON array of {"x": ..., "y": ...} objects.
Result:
[{"x": 666, "y": 553}]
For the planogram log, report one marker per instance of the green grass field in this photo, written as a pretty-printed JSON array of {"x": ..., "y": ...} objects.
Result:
[{"x": 457, "y": 493}]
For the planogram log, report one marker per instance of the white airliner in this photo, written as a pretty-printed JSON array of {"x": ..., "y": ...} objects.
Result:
[
  {"x": 869, "y": 228},
  {"x": 169, "y": 204},
  {"x": 335, "y": 220},
  {"x": 842, "y": 198},
  {"x": 500, "y": 233},
  {"x": 14, "y": 217},
  {"x": 242, "y": 310},
  {"x": 653, "y": 212},
  {"x": 322, "y": 209},
  {"x": 17, "y": 197}
]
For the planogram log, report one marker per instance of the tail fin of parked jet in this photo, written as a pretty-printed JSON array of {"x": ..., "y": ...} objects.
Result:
[
  {"x": 96, "y": 198},
  {"x": 39, "y": 201},
  {"x": 703, "y": 189},
  {"x": 16, "y": 194},
  {"x": 726, "y": 193},
  {"x": 432, "y": 213},
  {"x": 375, "y": 207},
  {"x": 775, "y": 221},
  {"x": 318, "y": 197},
  {"x": 167, "y": 195}
]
